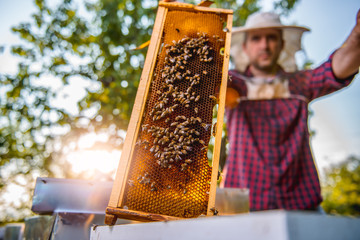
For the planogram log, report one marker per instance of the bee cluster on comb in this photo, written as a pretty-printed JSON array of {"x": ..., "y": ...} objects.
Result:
[{"x": 173, "y": 143}]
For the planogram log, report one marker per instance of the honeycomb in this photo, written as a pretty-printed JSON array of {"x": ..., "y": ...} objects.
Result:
[{"x": 169, "y": 171}]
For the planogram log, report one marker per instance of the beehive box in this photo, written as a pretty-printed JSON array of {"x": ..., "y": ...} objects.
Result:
[{"x": 164, "y": 172}]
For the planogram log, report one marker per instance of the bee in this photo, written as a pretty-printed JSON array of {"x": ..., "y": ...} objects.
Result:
[
  {"x": 197, "y": 98},
  {"x": 179, "y": 117},
  {"x": 187, "y": 148},
  {"x": 206, "y": 126},
  {"x": 205, "y": 72},
  {"x": 183, "y": 166},
  {"x": 214, "y": 129},
  {"x": 131, "y": 183},
  {"x": 185, "y": 191},
  {"x": 178, "y": 76},
  {"x": 164, "y": 75},
  {"x": 214, "y": 211},
  {"x": 174, "y": 124},
  {"x": 147, "y": 180},
  {"x": 213, "y": 97},
  {"x": 188, "y": 161},
  {"x": 202, "y": 142},
  {"x": 152, "y": 112},
  {"x": 165, "y": 139},
  {"x": 164, "y": 114}
]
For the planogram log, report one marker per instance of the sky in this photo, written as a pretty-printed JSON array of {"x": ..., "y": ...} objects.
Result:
[{"x": 336, "y": 117}]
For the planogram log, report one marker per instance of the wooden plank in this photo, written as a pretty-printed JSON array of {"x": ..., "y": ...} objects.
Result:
[
  {"x": 137, "y": 112},
  {"x": 220, "y": 119},
  {"x": 191, "y": 7},
  {"x": 138, "y": 215}
]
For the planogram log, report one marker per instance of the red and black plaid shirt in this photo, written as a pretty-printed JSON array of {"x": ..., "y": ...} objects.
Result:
[{"x": 269, "y": 140}]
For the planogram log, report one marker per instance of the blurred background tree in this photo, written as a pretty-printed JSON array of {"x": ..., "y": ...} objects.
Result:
[
  {"x": 75, "y": 41},
  {"x": 341, "y": 188}
]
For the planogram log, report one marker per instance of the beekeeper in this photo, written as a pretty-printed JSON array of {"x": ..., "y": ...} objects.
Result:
[{"x": 267, "y": 111}]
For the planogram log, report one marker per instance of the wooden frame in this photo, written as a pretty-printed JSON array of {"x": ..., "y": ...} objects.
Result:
[
  {"x": 220, "y": 120},
  {"x": 113, "y": 211}
]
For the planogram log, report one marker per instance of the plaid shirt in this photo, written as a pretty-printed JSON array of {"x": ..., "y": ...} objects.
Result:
[{"x": 269, "y": 137}]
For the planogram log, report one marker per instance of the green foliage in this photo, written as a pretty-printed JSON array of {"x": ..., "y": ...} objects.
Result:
[
  {"x": 69, "y": 43},
  {"x": 341, "y": 190}
]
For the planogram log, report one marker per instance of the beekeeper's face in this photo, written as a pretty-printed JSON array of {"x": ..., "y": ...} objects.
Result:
[{"x": 263, "y": 48}]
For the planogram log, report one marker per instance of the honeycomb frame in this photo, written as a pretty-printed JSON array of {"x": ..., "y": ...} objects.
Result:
[{"x": 164, "y": 169}]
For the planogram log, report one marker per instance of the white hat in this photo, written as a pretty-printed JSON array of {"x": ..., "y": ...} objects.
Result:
[{"x": 291, "y": 35}]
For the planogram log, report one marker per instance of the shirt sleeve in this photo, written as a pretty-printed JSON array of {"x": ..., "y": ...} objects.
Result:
[{"x": 322, "y": 81}]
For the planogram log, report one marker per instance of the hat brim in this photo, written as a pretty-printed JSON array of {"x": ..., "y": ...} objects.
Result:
[
  {"x": 247, "y": 29},
  {"x": 240, "y": 30}
]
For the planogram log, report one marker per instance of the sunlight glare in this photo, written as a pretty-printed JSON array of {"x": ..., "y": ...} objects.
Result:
[
  {"x": 88, "y": 159},
  {"x": 101, "y": 160}
]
